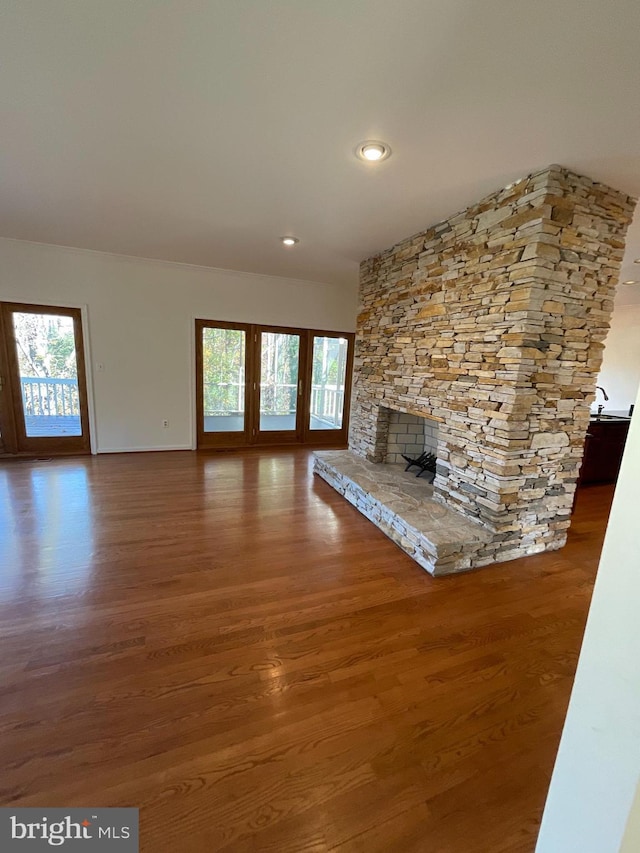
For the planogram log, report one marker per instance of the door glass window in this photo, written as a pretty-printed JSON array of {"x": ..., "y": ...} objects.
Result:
[
  {"x": 329, "y": 371},
  {"x": 223, "y": 379},
  {"x": 279, "y": 358},
  {"x": 46, "y": 355}
]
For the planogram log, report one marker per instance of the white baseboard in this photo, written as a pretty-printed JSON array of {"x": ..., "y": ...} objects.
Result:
[{"x": 144, "y": 449}]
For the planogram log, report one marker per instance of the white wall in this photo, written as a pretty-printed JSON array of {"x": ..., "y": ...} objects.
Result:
[
  {"x": 598, "y": 763},
  {"x": 140, "y": 327},
  {"x": 620, "y": 373}
]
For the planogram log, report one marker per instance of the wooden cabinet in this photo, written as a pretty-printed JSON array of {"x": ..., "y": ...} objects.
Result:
[{"x": 603, "y": 449}]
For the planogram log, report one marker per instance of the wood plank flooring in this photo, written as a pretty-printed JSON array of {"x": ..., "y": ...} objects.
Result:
[{"x": 224, "y": 642}]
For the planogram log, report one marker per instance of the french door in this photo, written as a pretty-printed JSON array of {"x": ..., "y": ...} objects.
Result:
[
  {"x": 43, "y": 391},
  {"x": 271, "y": 385},
  {"x": 280, "y": 355}
]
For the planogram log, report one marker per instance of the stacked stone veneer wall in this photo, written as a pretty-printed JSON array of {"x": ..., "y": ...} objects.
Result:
[
  {"x": 494, "y": 322},
  {"x": 410, "y": 435}
]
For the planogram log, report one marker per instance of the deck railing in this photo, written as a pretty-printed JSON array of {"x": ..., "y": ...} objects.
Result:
[
  {"x": 227, "y": 398},
  {"x": 327, "y": 403},
  {"x": 46, "y": 397},
  {"x": 223, "y": 398},
  {"x": 59, "y": 397}
]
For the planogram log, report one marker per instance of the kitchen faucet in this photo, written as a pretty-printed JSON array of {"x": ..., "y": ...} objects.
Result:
[{"x": 605, "y": 395}]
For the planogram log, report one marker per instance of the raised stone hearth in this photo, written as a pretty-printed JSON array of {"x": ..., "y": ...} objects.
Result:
[
  {"x": 402, "y": 506},
  {"x": 493, "y": 324}
]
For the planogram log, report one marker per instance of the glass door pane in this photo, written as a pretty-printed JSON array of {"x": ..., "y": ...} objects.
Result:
[
  {"x": 329, "y": 371},
  {"x": 48, "y": 374},
  {"x": 223, "y": 379},
  {"x": 279, "y": 368}
]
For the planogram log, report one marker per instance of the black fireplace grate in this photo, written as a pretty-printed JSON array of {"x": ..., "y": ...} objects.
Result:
[{"x": 425, "y": 462}]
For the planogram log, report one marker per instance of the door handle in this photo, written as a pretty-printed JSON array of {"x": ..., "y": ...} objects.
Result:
[{"x": 299, "y": 387}]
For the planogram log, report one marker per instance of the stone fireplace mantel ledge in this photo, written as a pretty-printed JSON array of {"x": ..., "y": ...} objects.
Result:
[{"x": 401, "y": 505}]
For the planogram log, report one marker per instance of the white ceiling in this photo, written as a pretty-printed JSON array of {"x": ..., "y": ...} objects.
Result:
[{"x": 203, "y": 131}]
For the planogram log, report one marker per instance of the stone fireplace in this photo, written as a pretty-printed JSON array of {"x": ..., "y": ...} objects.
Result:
[{"x": 492, "y": 325}]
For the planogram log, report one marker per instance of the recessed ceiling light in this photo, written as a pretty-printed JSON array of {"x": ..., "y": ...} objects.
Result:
[
  {"x": 637, "y": 261},
  {"x": 290, "y": 241},
  {"x": 372, "y": 151},
  {"x": 631, "y": 281}
]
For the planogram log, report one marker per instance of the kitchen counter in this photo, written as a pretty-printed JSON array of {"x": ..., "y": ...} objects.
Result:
[{"x": 609, "y": 416}]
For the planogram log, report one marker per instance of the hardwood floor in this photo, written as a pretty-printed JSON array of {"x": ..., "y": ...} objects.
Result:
[{"x": 224, "y": 642}]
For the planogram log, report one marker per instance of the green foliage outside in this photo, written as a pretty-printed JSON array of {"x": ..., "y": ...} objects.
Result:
[
  {"x": 223, "y": 357},
  {"x": 223, "y": 371},
  {"x": 45, "y": 345},
  {"x": 326, "y": 358},
  {"x": 279, "y": 373}
]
